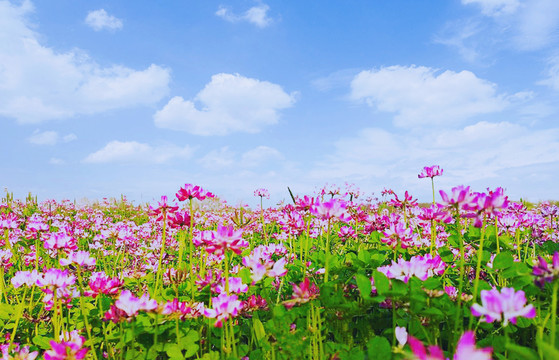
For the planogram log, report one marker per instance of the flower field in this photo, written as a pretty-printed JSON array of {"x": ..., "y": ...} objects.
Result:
[{"x": 333, "y": 275}]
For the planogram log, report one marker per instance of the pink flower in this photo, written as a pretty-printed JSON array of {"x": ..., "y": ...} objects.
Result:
[
  {"x": 67, "y": 350},
  {"x": 60, "y": 240},
  {"x": 430, "y": 171},
  {"x": 190, "y": 191},
  {"x": 460, "y": 198},
  {"x": 224, "y": 307},
  {"x": 263, "y": 193},
  {"x": 398, "y": 234},
  {"x": 100, "y": 283},
  {"x": 235, "y": 286},
  {"x": 163, "y": 209},
  {"x": 421, "y": 267},
  {"x": 80, "y": 258},
  {"x": 302, "y": 293},
  {"x": 227, "y": 238},
  {"x": 28, "y": 278},
  {"x": 179, "y": 219},
  {"x": 332, "y": 209},
  {"x": 56, "y": 279},
  {"x": 127, "y": 306},
  {"x": 504, "y": 306},
  {"x": 17, "y": 352},
  {"x": 466, "y": 349}
]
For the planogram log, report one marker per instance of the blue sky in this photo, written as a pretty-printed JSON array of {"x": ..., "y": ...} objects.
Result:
[{"x": 102, "y": 98}]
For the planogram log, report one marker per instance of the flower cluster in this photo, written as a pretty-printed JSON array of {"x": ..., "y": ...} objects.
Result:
[
  {"x": 504, "y": 306},
  {"x": 421, "y": 267},
  {"x": 430, "y": 172}
]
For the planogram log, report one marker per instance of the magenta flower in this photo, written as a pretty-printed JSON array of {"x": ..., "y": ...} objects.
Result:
[
  {"x": 190, "y": 191},
  {"x": 56, "y": 279},
  {"x": 179, "y": 219},
  {"x": 460, "y": 198},
  {"x": 398, "y": 234},
  {"x": 421, "y": 267},
  {"x": 263, "y": 193},
  {"x": 226, "y": 237},
  {"x": 28, "y": 278},
  {"x": 466, "y": 349},
  {"x": 332, "y": 209},
  {"x": 67, "y": 350},
  {"x": 430, "y": 171},
  {"x": 100, "y": 283},
  {"x": 543, "y": 272},
  {"x": 224, "y": 307},
  {"x": 17, "y": 352},
  {"x": 60, "y": 240},
  {"x": 80, "y": 258},
  {"x": 503, "y": 306},
  {"x": 302, "y": 293},
  {"x": 235, "y": 286}
]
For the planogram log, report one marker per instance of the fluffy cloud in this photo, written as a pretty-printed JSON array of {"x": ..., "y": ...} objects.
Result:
[
  {"x": 258, "y": 157},
  {"x": 100, "y": 19},
  {"x": 49, "y": 138},
  {"x": 421, "y": 96},
  {"x": 37, "y": 83},
  {"x": 529, "y": 25},
  {"x": 256, "y": 15},
  {"x": 552, "y": 73},
  {"x": 495, "y": 7},
  {"x": 135, "y": 152},
  {"x": 229, "y": 103},
  {"x": 474, "y": 153}
]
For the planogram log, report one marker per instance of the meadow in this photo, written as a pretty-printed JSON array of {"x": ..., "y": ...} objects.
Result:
[{"x": 332, "y": 275}]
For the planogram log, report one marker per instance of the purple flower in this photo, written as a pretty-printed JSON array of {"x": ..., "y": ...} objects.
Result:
[
  {"x": 543, "y": 272},
  {"x": 503, "y": 306},
  {"x": 331, "y": 209}
]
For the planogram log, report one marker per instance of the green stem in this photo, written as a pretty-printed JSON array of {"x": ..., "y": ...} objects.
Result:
[
  {"x": 86, "y": 322},
  {"x": 554, "y": 312},
  {"x": 327, "y": 253}
]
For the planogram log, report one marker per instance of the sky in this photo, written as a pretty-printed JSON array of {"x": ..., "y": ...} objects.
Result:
[{"x": 109, "y": 98}]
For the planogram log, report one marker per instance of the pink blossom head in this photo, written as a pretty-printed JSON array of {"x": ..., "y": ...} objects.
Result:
[
  {"x": 189, "y": 192},
  {"x": 430, "y": 171},
  {"x": 263, "y": 193}
]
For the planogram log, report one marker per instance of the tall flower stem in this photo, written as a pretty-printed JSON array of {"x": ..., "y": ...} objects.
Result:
[
  {"x": 86, "y": 322},
  {"x": 433, "y": 188},
  {"x": 163, "y": 239},
  {"x": 458, "y": 319},
  {"x": 192, "y": 287},
  {"x": 327, "y": 253},
  {"x": 554, "y": 312},
  {"x": 478, "y": 265}
]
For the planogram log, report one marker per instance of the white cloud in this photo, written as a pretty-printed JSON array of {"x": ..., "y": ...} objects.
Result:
[
  {"x": 100, "y": 19},
  {"x": 38, "y": 83},
  {"x": 552, "y": 73},
  {"x": 229, "y": 103},
  {"x": 135, "y": 152},
  {"x": 538, "y": 24},
  {"x": 43, "y": 138},
  {"x": 49, "y": 138},
  {"x": 256, "y": 15},
  {"x": 474, "y": 153},
  {"x": 219, "y": 159},
  {"x": 261, "y": 155},
  {"x": 69, "y": 137},
  {"x": 495, "y": 7},
  {"x": 528, "y": 25},
  {"x": 56, "y": 161},
  {"x": 423, "y": 96}
]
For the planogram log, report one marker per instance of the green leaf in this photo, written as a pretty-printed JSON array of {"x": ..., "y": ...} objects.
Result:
[
  {"x": 258, "y": 329},
  {"x": 503, "y": 260},
  {"x": 364, "y": 256},
  {"x": 522, "y": 352},
  {"x": 549, "y": 352},
  {"x": 174, "y": 351},
  {"x": 378, "y": 348},
  {"x": 381, "y": 282},
  {"x": 42, "y": 342},
  {"x": 364, "y": 285}
]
